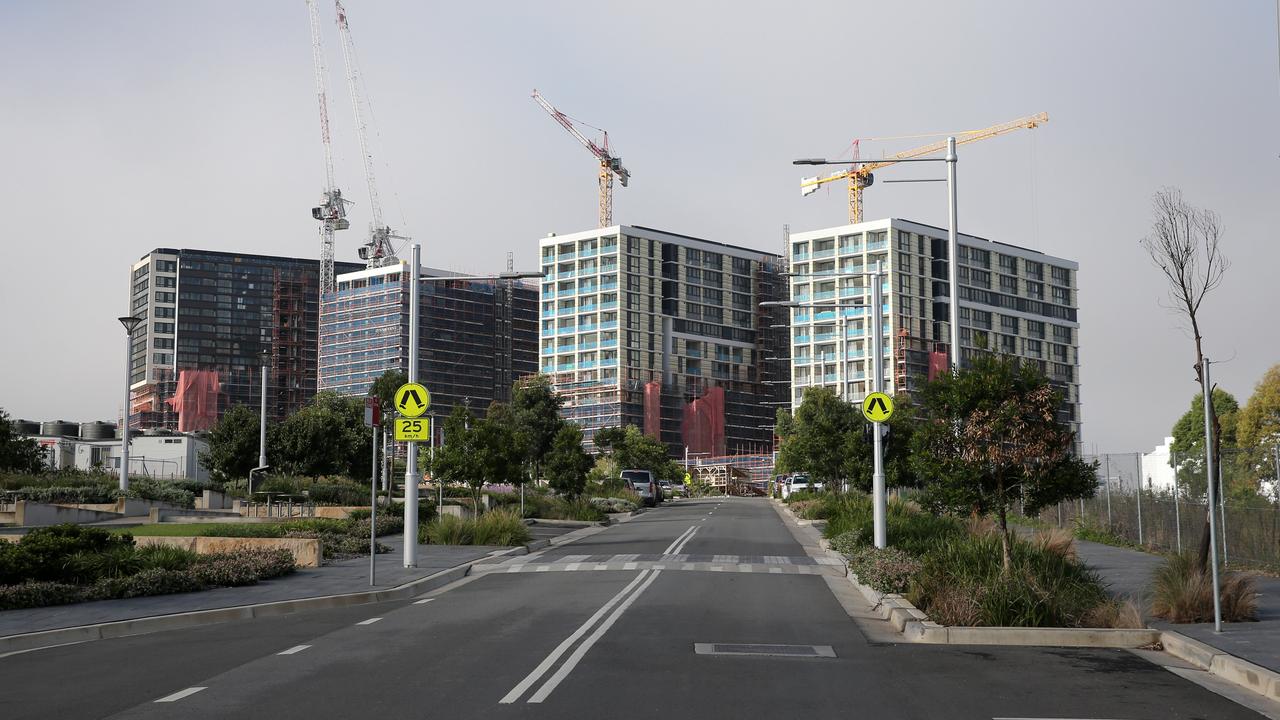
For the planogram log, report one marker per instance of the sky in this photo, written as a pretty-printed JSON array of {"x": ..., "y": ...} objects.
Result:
[{"x": 129, "y": 125}]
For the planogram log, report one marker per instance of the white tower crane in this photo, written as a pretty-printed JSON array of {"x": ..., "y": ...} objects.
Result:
[
  {"x": 332, "y": 211},
  {"x": 378, "y": 251}
]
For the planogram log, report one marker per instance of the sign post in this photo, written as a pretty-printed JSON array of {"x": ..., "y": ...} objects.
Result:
[
  {"x": 411, "y": 401},
  {"x": 877, "y": 399},
  {"x": 372, "y": 419}
]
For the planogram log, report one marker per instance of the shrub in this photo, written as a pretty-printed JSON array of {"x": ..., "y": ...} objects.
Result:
[
  {"x": 16, "y": 563},
  {"x": 1114, "y": 613},
  {"x": 888, "y": 570},
  {"x": 581, "y": 508},
  {"x": 961, "y": 582},
  {"x": 1095, "y": 533},
  {"x": 1057, "y": 541},
  {"x": 260, "y": 530},
  {"x": 447, "y": 530},
  {"x": 83, "y": 494},
  {"x": 1181, "y": 593},
  {"x": 500, "y": 527},
  {"x": 614, "y": 504},
  {"x": 85, "y": 567},
  {"x": 39, "y": 594},
  {"x": 242, "y": 567},
  {"x": 338, "y": 494},
  {"x": 160, "y": 491},
  {"x": 152, "y": 581},
  {"x": 165, "y": 557},
  {"x": 46, "y": 550}
]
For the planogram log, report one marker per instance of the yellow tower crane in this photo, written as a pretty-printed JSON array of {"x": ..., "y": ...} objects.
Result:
[{"x": 860, "y": 176}]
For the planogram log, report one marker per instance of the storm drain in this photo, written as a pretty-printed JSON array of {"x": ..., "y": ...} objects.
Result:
[{"x": 814, "y": 651}]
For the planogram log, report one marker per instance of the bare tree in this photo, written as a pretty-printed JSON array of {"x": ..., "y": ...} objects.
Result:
[{"x": 1185, "y": 244}]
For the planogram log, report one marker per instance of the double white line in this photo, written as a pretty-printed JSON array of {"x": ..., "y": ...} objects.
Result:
[{"x": 618, "y": 604}]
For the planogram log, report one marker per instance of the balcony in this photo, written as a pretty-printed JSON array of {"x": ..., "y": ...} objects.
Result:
[
  {"x": 563, "y": 257},
  {"x": 548, "y": 313},
  {"x": 566, "y": 311},
  {"x": 588, "y": 252},
  {"x": 609, "y": 362},
  {"x": 588, "y": 345},
  {"x": 826, "y": 315},
  {"x": 825, "y": 336},
  {"x": 564, "y": 367},
  {"x": 608, "y": 324},
  {"x": 608, "y": 266},
  {"x": 564, "y": 348},
  {"x": 566, "y": 330},
  {"x": 548, "y": 368},
  {"x": 609, "y": 305},
  {"x": 588, "y": 308},
  {"x": 611, "y": 285},
  {"x": 824, "y": 295},
  {"x": 878, "y": 244},
  {"x": 586, "y": 364},
  {"x": 548, "y": 294},
  {"x": 609, "y": 343},
  {"x": 826, "y": 357},
  {"x": 693, "y": 353},
  {"x": 800, "y": 255},
  {"x": 829, "y": 252},
  {"x": 564, "y": 275},
  {"x": 829, "y": 378},
  {"x": 801, "y": 339}
]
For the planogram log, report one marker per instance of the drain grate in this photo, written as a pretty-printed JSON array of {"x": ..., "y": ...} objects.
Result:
[{"x": 824, "y": 651}]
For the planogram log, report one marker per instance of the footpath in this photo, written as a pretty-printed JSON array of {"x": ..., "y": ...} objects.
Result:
[
  {"x": 339, "y": 578},
  {"x": 1128, "y": 573}
]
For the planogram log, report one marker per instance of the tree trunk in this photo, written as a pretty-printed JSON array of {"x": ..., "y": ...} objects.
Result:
[{"x": 1215, "y": 449}]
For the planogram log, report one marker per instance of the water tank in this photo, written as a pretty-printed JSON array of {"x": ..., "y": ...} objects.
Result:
[
  {"x": 26, "y": 427},
  {"x": 98, "y": 430},
  {"x": 59, "y": 428}
]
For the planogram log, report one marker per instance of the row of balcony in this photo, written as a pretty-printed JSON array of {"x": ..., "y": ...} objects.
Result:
[{"x": 587, "y": 365}]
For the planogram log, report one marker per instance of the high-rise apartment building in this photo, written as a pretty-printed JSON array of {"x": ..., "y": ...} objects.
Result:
[
  {"x": 1013, "y": 301},
  {"x": 663, "y": 331},
  {"x": 208, "y": 317},
  {"x": 475, "y": 339}
]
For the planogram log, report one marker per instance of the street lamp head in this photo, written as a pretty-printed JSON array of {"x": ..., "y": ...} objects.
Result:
[{"x": 129, "y": 322}]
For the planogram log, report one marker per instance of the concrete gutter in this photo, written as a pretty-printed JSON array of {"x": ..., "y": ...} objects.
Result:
[
  {"x": 178, "y": 621},
  {"x": 1225, "y": 665}
]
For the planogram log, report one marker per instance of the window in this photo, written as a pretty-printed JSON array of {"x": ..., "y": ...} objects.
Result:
[
  {"x": 165, "y": 297},
  {"x": 141, "y": 272},
  {"x": 1008, "y": 264},
  {"x": 1061, "y": 334},
  {"x": 1034, "y": 348},
  {"x": 162, "y": 358},
  {"x": 904, "y": 241},
  {"x": 1035, "y": 290},
  {"x": 167, "y": 265},
  {"x": 1035, "y": 328},
  {"x": 1061, "y": 295},
  {"x": 741, "y": 266},
  {"x": 1009, "y": 284},
  {"x": 140, "y": 286},
  {"x": 1008, "y": 344},
  {"x": 164, "y": 343},
  {"x": 981, "y": 278},
  {"x": 1009, "y": 324},
  {"x": 166, "y": 281},
  {"x": 1034, "y": 269},
  {"x": 1060, "y": 275},
  {"x": 139, "y": 302},
  {"x": 162, "y": 327}
]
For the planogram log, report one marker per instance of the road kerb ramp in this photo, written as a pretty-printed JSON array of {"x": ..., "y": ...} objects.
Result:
[{"x": 1236, "y": 670}]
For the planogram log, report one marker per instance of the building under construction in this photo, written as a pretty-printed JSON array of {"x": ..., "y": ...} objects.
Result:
[
  {"x": 664, "y": 331},
  {"x": 476, "y": 336},
  {"x": 208, "y": 317}
]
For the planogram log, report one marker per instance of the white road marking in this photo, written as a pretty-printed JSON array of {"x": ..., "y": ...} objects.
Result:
[
  {"x": 602, "y": 567},
  {"x": 181, "y": 694},
  {"x": 424, "y": 602},
  {"x": 294, "y": 650},
  {"x": 676, "y": 542},
  {"x": 568, "y": 642},
  {"x": 543, "y": 568},
  {"x": 630, "y": 566},
  {"x": 370, "y": 621},
  {"x": 573, "y": 566},
  {"x": 693, "y": 530},
  {"x": 578, "y": 654}
]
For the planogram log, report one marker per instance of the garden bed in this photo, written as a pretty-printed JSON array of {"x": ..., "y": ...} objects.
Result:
[{"x": 69, "y": 563}]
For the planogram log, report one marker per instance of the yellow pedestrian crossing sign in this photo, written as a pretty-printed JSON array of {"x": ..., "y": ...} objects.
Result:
[
  {"x": 412, "y": 400},
  {"x": 877, "y": 407}
]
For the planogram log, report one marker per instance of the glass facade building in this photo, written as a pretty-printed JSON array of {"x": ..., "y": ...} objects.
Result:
[
  {"x": 476, "y": 337},
  {"x": 208, "y": 317}
]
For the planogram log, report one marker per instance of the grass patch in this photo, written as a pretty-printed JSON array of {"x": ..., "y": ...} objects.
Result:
[
  {"x": 1182, "y": 593},
  {"x": 496, "y": 527}
]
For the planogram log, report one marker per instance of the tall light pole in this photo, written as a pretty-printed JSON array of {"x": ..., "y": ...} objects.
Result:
[
  {"x": 262, "y": 417},
  {"x": 129, "y": 322},
  {"x": 1206, "y": 389}
]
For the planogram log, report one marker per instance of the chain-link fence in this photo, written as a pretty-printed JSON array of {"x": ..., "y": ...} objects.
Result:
[{"x": 1160, "y": 502}]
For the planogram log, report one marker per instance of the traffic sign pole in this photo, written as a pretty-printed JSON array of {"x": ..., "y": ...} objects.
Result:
[
  {"x": 878, "y": 499},
  {"x": 411, "y": 475}
]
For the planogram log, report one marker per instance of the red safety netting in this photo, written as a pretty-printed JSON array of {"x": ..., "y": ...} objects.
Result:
[
  {"x": 937, "y": 364},
  {"x": 653, "y": 409},
  {"x": 196, "y": 400},
  {"x": 702, "y": 428}
]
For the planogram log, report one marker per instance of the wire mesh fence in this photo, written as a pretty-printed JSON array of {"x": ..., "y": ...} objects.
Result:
[{"x": 1160, "y": 502}]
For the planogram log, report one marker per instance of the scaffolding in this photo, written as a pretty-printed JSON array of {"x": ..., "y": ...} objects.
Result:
[{"x": 292, "y": 378}]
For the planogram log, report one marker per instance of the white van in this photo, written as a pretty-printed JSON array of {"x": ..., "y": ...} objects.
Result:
[{"x": 799, "y": 482}]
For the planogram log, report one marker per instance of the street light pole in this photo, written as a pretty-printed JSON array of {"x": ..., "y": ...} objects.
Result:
[
  {"x": 953, "y": 257},
  {"x": 129, "y": 322},
  {"x": 262, "y": 418},
  {"x": 411, "y": 474},
  {"x": 878, "y": 499}
]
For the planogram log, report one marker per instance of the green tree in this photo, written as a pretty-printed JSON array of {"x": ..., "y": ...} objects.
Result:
[
  {"x": 327, "y": 437},
  {"x": 477, "y": 451},
  {"x": 567, "y": 463},
  {"x": 1258, "y": 432},
  {"x": 819, "y": 437},
  {"x": 384, "y": 388},
  {"x": 1187, "y": 450},
  {"x": 233, "y": 445},
  {"x": 990, "y": 435},
  {"x": 535, "y": 409},
  {"x": 859, "y": 448},
  {"x": 631, "y": 449},
  {"x": 17, "y": 453}
]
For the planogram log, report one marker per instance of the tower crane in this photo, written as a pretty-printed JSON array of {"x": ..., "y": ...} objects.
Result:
[
  {"x": 333, "y": 208},
  {"x": 610, "y": 165},
  {"x": 378, "y": 251},
  {"x": 860, "y": 175}
]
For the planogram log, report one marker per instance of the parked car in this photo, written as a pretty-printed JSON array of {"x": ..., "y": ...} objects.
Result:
[
  {"x": 799, "y": 482},
  {"x": 668, "y": 490},
  {"x": 643, "y": 483}
]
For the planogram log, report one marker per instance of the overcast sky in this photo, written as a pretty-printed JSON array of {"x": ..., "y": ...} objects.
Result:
[{"x": 127, "y": 126}]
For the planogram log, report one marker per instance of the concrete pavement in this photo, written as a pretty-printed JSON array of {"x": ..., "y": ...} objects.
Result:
[{"x": 606, "y": 642}]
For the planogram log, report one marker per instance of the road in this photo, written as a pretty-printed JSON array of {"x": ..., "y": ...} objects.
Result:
[{"x": 610, "y": 626}]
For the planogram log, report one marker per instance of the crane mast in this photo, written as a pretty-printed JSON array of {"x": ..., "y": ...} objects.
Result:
[
  {"x": 378, "y": 251},
  {"x": 332, "y": 210},
  {"x": 610, "y": 165},
  {"x": 860, "y": 176}
]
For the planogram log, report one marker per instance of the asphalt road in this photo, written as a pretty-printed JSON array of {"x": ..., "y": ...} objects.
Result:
[{"x": 567, "y": 633}]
